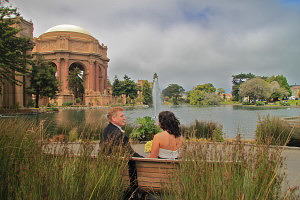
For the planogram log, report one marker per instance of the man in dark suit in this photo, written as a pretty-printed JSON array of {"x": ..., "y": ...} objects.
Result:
[
  {"x": 113, "y": 134},
  {"x": 113, "y": 131}
]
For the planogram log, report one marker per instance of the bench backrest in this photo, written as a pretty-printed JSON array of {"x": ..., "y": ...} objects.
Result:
[
  {"x": 156, "y": 174},
  {"x": 153, "y": 174}
]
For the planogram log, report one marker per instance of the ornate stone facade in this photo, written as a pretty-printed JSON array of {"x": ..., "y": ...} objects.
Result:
[{"x": 66, "y": 46}]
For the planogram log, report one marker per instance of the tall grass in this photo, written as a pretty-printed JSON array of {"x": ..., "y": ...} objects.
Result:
[
  {"x": 28, "y": 173},
  {"x": 223, "y": 171},
  {"x": 203, "y": 129},
  {"x": 273, "y": 130}
]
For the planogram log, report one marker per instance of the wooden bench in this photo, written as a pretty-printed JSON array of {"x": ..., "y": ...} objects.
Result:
[
  {"x": 155, "y": 174},
  {"x": 152, "y": 174}
]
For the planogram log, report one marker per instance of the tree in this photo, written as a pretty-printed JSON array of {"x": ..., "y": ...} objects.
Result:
[
  {"x": 221, "y": 91},
  {"x": 212, "y": 99},
  {"x": 116, "y": 87},
  {"x": 155, "y": 76},
  {"x": 43, "y": 82},
  {"x": 196, "y": 97},
  {"x": 204, "y": 95},
  {"x": 13, "y": 49},
  {"x": 208, "y": 87},
  {"x": 282, "y": 82},
  {"x": 277, "y": 91},
  {"x": 129, "y": 88},
  {"x": 255, "y": 88},
  {"x": 174, "y": 92},
  {"x": 200, "y": 97},
  {"x": 76, "y": 83},
  {"x": 237, "y": 80},
  {"x": 147, "y": 93}
]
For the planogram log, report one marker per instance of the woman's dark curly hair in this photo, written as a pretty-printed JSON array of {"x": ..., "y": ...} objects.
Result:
[{"x": 168, "y": 122}]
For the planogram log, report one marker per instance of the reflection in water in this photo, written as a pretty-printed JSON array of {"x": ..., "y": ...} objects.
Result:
[{"x": 235, "y": 119}]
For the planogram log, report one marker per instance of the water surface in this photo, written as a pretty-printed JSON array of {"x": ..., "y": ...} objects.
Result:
[{"x": 234, "y": 119}]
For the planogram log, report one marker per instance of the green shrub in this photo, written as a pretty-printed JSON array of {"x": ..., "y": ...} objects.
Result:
[
  {"x": 283, "y": 103},
  {"x": 272, "y": 130},
  {"x": 203, "y": 129},
  {"x": 52, "y": 109},
  {"x": 246, "y": 103},
  {"x": 260, "y": 103},
  {"x": 30, "y": 103},
  {"x": 67, "y": 104},
  {"x": 146, "y": 130},
  {"x": 78, "y": 100}
]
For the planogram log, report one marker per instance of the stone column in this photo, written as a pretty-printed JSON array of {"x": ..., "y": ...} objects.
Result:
[
  {"x": 97, "y": 77},
  {"x": 64, "y": 77},
  {"x": 58, "y": 70},
  {"x": 101, "y": 79},
  {"x": 105, "y": 77},
  {"x": 91, "y": 76}
]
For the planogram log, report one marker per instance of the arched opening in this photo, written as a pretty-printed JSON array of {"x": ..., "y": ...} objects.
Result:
[
  {"x": 54, "y": 65},
  {"x": 76, "y": 80}
]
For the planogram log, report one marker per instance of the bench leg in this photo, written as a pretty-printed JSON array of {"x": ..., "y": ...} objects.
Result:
[{"x": 131, "y": 192}]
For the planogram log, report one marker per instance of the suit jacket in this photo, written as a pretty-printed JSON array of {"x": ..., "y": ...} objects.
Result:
[{"x": 113, "y": 134}]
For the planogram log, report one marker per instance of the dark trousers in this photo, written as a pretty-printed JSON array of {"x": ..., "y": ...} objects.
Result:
[{"x": 133, "y": 179}]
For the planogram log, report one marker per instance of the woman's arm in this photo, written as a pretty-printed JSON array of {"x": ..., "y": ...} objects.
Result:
[{"x": 154, "y": 148}]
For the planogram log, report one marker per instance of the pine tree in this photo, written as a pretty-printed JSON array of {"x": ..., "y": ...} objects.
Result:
[
  {"x": 116, "y": 87},
  {"x": 147, "y": 93},
  {"x": 13, "y": 50}
]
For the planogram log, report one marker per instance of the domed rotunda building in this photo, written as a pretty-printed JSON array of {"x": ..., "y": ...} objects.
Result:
[{"x": 68, "y": 47}]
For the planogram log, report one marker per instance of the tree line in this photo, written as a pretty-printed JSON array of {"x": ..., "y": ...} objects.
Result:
[{"x": 260, "y": 87}]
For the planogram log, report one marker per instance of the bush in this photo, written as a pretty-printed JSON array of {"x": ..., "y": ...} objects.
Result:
[
  {"x": 272, "y": 130},
  {"x": 203, "y": 129},
  {"x": 30, "y": 103},
  {"x": 67, "y": 104},
  {"x": 78, "y": 100},
  {"x": 52, "y": 109},
  {"x": 212, "y": 99},
  {"x": 246, "y": 103},
  {"x": 146, "y": 130},
  {"x": 260, "y": 103},
  {"x": 283, "y": 103}
]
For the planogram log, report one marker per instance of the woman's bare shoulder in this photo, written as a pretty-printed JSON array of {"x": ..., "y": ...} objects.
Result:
[{"x": 161, "y": 134}]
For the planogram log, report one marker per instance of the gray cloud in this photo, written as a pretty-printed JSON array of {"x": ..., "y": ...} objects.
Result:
[{"x": 185, "y": 42}]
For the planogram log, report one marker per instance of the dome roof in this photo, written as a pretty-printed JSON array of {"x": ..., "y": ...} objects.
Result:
[{"x": 68, "y": 28}]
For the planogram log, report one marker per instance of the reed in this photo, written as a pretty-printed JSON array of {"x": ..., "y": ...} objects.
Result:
[
  {"x": 273, "y": 130},
  {"x": 203, "y": 129},
  {"x": 28, "y": 173},
  {"x": 228, "y": 171},
  {"x": 208, "y": 171}
]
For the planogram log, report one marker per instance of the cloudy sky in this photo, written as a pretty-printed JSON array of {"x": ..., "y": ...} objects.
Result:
[{"x": 187, "y": 42}]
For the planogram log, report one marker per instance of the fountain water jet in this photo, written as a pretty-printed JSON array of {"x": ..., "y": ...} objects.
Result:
[{"x": 156, "y": 96}]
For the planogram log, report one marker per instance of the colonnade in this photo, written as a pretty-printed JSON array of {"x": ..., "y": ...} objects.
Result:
[{"x": 95, "y": 79}]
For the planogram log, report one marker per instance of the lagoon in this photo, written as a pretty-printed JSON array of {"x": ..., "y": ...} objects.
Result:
[{"x": 234, "y": 119}]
